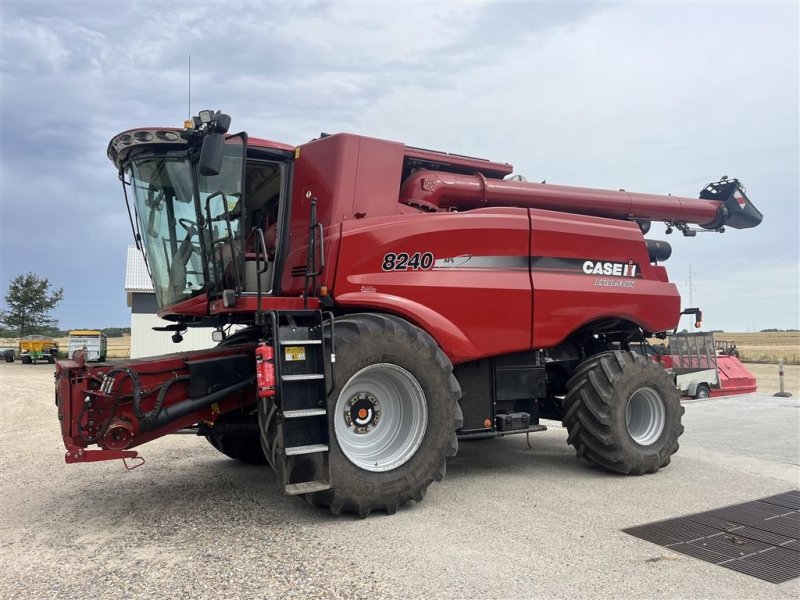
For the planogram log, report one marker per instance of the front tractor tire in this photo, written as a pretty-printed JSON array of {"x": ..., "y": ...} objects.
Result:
[
  {"x": 623, "y": 413},
  {"x": 393, "y": 414},
  {"x": 244, "y": 447}
]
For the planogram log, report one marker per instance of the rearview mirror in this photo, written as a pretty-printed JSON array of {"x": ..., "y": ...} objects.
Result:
[{"x": 210, "y": 163}]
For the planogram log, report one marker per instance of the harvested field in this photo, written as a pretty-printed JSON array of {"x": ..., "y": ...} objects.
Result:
[
  {"x": 767, "y": 346},
  {"x": 767, "y": 377}
]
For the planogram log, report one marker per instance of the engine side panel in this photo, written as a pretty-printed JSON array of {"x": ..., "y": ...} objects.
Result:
[
  {"x": 463, "y": 277},
  {"x": 589, "y": 268},
  {"x": 497, "y": 275}
]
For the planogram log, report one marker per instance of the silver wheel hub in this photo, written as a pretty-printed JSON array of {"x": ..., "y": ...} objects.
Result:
[
  {"x": 645, "y": 416},
  {"x": 362, "y": 413},
  {"x": 380, "y": 417}
]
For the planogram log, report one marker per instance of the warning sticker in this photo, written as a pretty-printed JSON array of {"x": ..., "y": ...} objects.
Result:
[{"x": 294, "y": 353}]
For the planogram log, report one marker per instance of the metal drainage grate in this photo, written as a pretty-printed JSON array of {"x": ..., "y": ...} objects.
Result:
[{"x": 759, "y": 538}]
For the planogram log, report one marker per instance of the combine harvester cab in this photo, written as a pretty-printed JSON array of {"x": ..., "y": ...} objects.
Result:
[{"x": 374, "y": 303}]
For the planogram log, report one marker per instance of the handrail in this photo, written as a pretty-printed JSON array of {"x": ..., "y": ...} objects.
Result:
[{"x": 260, "y": 270}]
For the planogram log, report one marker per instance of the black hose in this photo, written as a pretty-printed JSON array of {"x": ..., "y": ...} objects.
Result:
[
  {"x": 136, "y": 397},
  {"x": 134, "y": 380},
  {"x": 190, "y": 405},
  {"x": 152, "y": 415}
]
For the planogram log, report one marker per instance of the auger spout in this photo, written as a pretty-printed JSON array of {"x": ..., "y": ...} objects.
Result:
[{"x": 721, "y": 204}]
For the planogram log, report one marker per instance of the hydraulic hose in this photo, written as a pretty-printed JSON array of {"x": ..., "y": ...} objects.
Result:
[
  {"x": 170, "y": 413},
  {"x": 152, "y": 415}
]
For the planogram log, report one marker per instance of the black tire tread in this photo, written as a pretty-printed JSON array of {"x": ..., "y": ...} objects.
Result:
[
  {"x": 244, "y": 448},
  {"x": 700, "y": 387},
  {"x": 588, "y": 405},
  {"x": 270, "y": 441}
]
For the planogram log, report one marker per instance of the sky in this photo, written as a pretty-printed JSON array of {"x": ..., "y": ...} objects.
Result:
[{"x": 649, "y": 97}]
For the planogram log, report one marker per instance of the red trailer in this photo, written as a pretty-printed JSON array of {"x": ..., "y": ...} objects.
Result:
[
  {"x": 394, "y": 300},
  {"x": 701, "y": 369}
]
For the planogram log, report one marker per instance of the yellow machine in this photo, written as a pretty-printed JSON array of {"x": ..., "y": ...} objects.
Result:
[{"x": 33, "y": 348}]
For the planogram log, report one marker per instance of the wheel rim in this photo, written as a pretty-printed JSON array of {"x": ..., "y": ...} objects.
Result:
[
  {"x": 645, "y": 416},
  {"x": 703, "y": 393},
  {"x": 380, "y": 417}
]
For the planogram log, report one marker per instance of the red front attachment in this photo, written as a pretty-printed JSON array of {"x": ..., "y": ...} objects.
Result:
[{"x": 123, "y": 405}]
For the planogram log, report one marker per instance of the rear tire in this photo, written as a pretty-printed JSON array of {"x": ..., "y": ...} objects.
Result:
[
  {"x": 623, "y": 413},
  {"x": 9, "y": 356},
  {"x": 409, "y": 416}
]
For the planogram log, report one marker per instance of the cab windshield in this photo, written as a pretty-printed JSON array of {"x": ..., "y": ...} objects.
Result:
[{"x": 189, "y": 239}]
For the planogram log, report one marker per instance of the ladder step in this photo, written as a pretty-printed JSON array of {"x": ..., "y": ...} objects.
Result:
[
  {"x": 300, "y": 342},
  {"x": 303, "y": 377},
  {"x": 311, "y": 449},
  {"x": 304, "y": 412},
  {"x": 307, "y": 487}
]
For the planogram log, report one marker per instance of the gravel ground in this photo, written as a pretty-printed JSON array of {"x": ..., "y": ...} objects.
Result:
[{"x": 507, "y": 522}]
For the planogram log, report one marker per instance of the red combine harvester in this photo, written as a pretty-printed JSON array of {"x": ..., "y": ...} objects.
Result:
[{"x": 376, "y": 302}]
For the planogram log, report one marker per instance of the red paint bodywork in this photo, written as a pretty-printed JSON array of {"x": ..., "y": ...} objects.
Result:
[
  {"x": 475, "y": 313},
  {"x": 357, "y": 183},
  {"x": 471, "y": 313}
]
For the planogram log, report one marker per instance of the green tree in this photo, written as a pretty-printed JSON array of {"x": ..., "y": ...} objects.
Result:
[
  {"x": 29, "y": 301},
  {"x": 115, "y": 332}
]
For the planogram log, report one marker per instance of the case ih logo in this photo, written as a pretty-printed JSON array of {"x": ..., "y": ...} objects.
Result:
[
  {"x": 606, "y": 268},
  {"x": 614, "y": 269}
]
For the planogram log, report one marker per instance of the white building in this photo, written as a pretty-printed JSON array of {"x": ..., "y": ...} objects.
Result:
[{"x": 143, "y": 305}]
